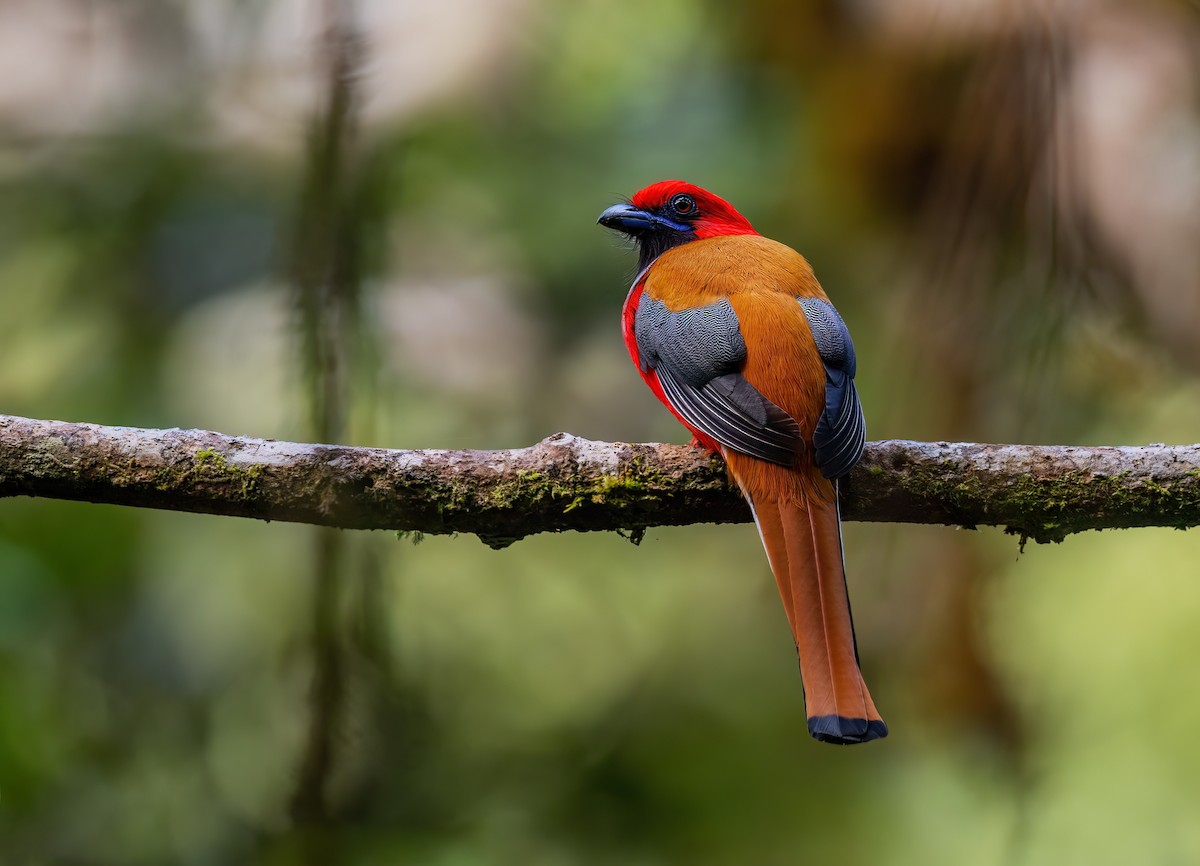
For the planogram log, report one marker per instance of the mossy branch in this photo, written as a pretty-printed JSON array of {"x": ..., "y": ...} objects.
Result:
[{"x": 563, "y": 482}]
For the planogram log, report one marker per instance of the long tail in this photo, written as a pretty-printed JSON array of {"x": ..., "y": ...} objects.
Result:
[{"x": 804, "y": 545}]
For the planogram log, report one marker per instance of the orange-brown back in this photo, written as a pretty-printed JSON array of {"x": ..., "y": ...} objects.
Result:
[{"x": 762, "y": 279}]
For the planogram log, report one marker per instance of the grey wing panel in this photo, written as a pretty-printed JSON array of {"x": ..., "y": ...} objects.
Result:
[
  {"x": 697, "y": 344},
  {"x": 830, "y": 334},
  {"x": 696, "y": 355},
  {"x": 841, "y": 431}
]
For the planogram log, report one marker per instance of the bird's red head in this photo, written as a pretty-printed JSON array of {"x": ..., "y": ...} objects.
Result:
[
  {"x": 710, "y": 216},
  {"x": 673, "y": 212}
]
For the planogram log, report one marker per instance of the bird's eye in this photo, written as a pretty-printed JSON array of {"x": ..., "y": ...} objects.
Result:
[{"x": 683, "y": 204}]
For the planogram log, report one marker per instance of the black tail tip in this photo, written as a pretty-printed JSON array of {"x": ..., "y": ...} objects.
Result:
[{"x": 842, "y": 731}]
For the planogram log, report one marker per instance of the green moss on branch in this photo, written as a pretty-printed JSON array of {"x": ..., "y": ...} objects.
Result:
[{"x": 563, "y": 482}]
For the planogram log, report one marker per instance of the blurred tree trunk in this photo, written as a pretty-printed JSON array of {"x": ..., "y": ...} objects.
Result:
[{"x": 326, "y": 278}]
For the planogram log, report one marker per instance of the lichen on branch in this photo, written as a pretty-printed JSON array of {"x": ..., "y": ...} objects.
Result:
[{"x": 564, "y": 482}]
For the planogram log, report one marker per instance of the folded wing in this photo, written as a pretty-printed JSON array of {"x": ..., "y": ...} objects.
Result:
[
  {"x": 841, "y": 432},
  {"x": 696, "y": 354}
]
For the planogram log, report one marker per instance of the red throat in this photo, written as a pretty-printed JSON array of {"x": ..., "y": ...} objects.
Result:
[{"x": 717, "y": 217}]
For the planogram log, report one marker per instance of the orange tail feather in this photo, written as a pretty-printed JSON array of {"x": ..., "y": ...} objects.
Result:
[{"x": 804, "y": 545}]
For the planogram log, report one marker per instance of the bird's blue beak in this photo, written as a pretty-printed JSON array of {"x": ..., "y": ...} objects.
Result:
[{"x": 634, "y": 221}]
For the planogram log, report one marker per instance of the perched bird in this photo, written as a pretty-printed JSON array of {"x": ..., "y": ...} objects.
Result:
[{"x": 733, "y": 333}]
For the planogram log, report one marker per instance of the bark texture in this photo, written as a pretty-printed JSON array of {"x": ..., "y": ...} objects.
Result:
[{"x": 564, "y": 482}]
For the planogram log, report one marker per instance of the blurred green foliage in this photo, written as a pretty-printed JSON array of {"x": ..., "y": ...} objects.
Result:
[{"x": 575, "y": 699}]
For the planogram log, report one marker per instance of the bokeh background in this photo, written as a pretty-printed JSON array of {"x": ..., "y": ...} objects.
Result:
[{"x": 373, "y": 223}]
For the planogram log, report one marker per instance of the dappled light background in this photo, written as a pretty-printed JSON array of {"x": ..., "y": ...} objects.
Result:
[{"x": 1001, "y": 196}]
